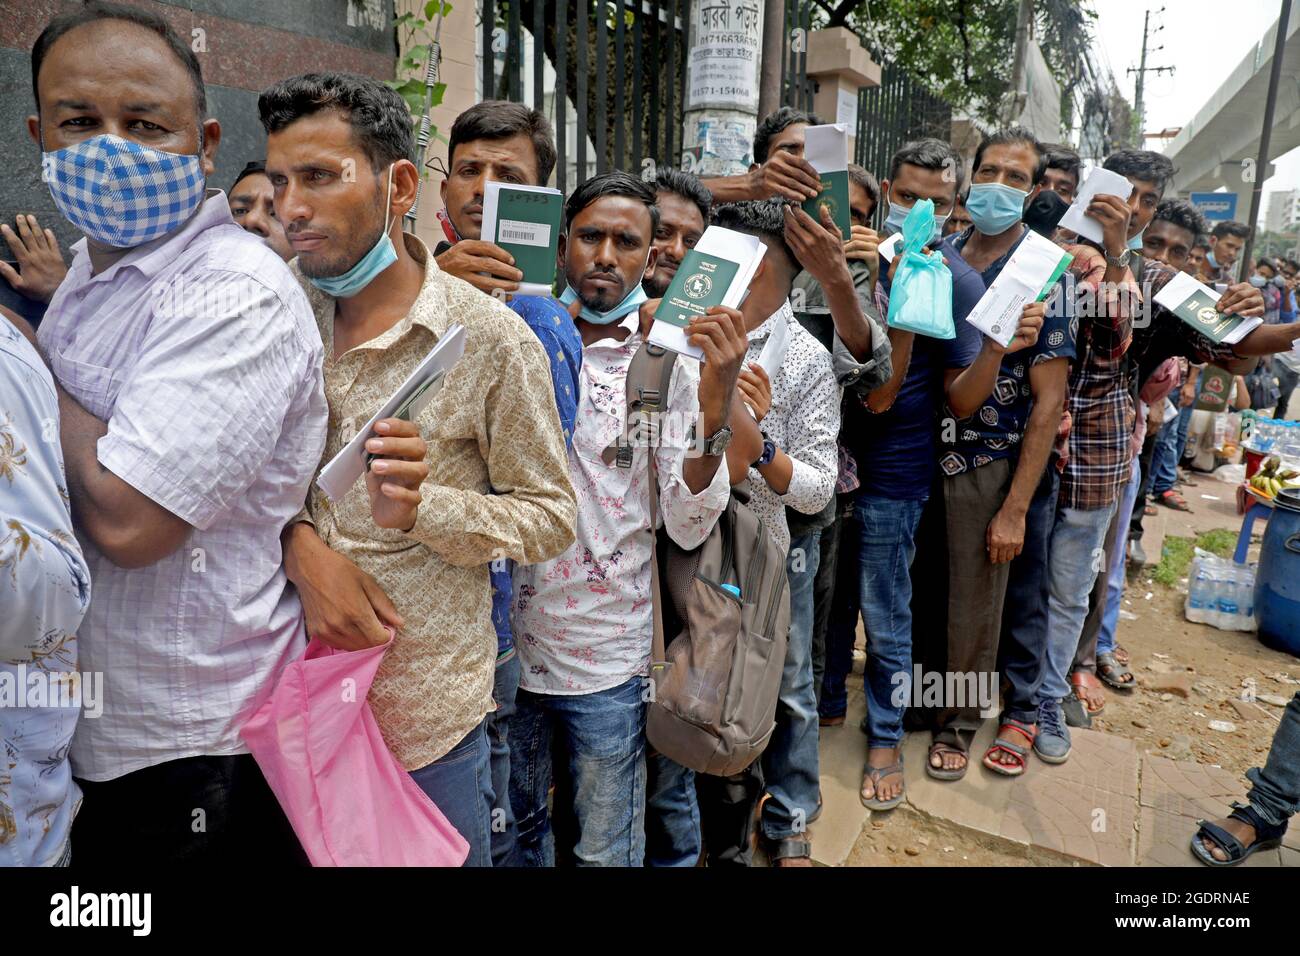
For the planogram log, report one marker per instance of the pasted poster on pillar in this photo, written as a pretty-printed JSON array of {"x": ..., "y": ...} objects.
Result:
[
  {"x": 723, "y": 61},
  {"x": 718, "y": 142}
]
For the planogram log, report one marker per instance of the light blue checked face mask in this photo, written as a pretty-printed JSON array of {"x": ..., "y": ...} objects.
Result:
[{"x": 122, "y": 194}]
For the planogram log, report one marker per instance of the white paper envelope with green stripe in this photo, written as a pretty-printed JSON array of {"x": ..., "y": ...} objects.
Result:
[{"x": 1027, "y": 277}]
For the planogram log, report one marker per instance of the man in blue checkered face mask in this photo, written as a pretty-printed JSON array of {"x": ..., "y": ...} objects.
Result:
[{"x": 125, "y": 162}]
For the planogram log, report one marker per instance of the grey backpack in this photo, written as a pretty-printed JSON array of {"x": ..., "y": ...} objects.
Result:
[{"x": 726, "y": 605}]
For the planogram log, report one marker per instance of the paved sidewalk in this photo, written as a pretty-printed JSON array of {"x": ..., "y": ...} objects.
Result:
[{"x": 1107, "y": 805}]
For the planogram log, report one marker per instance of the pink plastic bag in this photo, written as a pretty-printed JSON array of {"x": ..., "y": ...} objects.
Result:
[{"x": 348, "y": 799}]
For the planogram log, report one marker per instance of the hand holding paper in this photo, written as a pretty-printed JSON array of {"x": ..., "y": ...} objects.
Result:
[
  {"x": 395, "y": 475},
  {"x": 826, "y": 148},
  {"x": 1099, "y": 181},
  {"x": 1028, "y": 277}
]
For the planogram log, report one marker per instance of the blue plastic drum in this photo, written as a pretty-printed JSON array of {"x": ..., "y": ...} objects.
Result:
[{"x": 1277, "y": 581}]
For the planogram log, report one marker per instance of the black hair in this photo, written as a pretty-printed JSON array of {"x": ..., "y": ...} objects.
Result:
[
  {"x": 1064, "y": 158},
  {"x": 1181, "y": 213},
  {"x": 500, "y": 119},
  {"x": 1202, "y": 242},
  {"x": 254, "y": 167},
  {"x": 867, "y": 181},
  {"x": 94, "y": 12},
  {"x": 1144, "y": 164},
  {"x": 1292, "y": 263},
  {"x": 1230, "y": 227},
  {"x": 615, "y": 182},
  {"x": 773, "y": 123},
  {"x": 764, "y": 218},
  {"x": 1266, "y": 261},
  {"x": 1008, "y": 136},
  {"x": 380, "y": 118},
  {"x": 686, "y": 185},
  {"x": 929, "y": 153}
]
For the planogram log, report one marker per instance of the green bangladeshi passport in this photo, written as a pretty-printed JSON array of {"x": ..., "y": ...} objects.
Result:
[
  {"x": 835, "y": 195},
  {"x": 701, "y": 282},
  {"x": 525, "y": 222}
]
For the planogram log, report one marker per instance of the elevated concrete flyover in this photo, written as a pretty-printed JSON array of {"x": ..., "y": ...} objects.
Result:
[{"x": 1220, "y": 146}]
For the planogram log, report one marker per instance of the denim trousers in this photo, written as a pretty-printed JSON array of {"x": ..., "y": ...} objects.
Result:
[
  {"x": 1287, "y": 380},
  {"x": 505, "y": 686},
  {"x": 1275, "y": 790},
  {"x": 672, "y": 814},
  {"x": 1075, "y": 557},
  {"x": 460, "y": 785},
  {"x": 879, "y": 545},
  {"x": 1115, "y": 573},
  {"x": 592, "y": 746},
  {"x": 1024, "y": 620},
  {"x": 1169, "y": 451},
  {"x": 790, "y": 762}
]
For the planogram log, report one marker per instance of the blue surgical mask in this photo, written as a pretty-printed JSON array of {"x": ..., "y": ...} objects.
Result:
[
  {"x": 122, "y": 194},
  {"x": 380, "y": 257},
  {"x": 1258, "y": 281},
  {"x": 1135, "y": 244},
  {"x": 1209, "y": 257},
  {"x": 898, "y": 212},
  {"x": 631, "y": 302},
  {"x": 995, "y": 208}
]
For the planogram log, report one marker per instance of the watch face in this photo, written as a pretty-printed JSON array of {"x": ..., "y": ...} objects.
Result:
[{"x": 718, "y": 441}]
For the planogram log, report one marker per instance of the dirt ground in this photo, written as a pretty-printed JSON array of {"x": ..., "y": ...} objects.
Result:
[{"x": 1162, "y": 645}]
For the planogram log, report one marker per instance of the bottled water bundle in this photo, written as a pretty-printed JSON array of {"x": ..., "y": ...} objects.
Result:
[{"x": 1221, "y": 593}]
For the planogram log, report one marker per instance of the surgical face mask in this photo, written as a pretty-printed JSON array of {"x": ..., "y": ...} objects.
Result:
[
  {"x": 995, "y": 208},
  {"x": 122, "y": 194},
  {"x": 380, "y": 257},
  {"x": 631, "y": 302},
  {"x": 1209, "y": 257},
  {"x": 898, "y": 212},
  {"x": 1279, "y": 281},
  {"x": 1135, "y": 244},
  {"x": 1258, "y": 281}
]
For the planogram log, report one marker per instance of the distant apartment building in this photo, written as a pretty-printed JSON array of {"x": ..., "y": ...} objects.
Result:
[{"x": 1283, "y": 212}]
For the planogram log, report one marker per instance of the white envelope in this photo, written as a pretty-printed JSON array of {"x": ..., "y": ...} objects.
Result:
[
  {"x": 1099, "y": 182},
  {"x": 337, "y": 478},
  {"x": 826, "y": 148},
  {"x": 1021, "y": 281}
]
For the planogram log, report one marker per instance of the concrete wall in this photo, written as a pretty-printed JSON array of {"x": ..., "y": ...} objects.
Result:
[{"x": 250, "y": 44}]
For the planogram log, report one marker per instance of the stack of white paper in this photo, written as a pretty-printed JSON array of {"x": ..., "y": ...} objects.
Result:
[
  {"x": 343, "y": 470},
  {"x": 738, "y": 247},
  {"x": 826, "y": 148},
  {"x": 778, "y": 341},
  {"x": 1032, "y": 268},
  {"x": 1099, "y": 182}
]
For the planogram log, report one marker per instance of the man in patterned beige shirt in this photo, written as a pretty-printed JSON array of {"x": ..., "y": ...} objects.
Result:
[{"x": 482, "y": 477}]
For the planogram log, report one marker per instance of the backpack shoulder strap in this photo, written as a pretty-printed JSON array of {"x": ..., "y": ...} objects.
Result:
[{"x": 649, "y": 375}]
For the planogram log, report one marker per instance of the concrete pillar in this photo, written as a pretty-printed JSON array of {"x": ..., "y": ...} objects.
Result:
[
  {"x": 840, "y": 66},
  {"x": 722, "y": 72}
]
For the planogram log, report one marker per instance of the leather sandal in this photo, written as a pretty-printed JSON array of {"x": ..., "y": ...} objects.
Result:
[
  {"x": 940, "y": 773},
  {"x": 1267, "y": 836},
  {"x": 1086, "y": 679},
  {"x": 1172, "y": 499},
  {"x": 1018, "y": 751},
  {"x": 790, "y": 848},
  {"x": 1110, "y": 670}
]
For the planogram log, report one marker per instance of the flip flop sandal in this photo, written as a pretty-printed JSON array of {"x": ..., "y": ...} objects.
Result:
[
  {"x": 1121, "y": 654},
  {"x": 875, "y": 773},
  {"x": 1172, "y": 499},
  {"x": 835, "y": 721},
  {"x": 1109, "y": 669},
  {"x": 940, "y": 773},
  {"x": 1019, "y": 751},
  {"x": 1267, "y": 837},
  {"x": 1151, "y": 510},
  {"x": 1082, "y": 679}
]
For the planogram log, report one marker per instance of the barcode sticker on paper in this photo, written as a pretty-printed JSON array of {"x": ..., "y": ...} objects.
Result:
[{"x": 524, "y": 233}]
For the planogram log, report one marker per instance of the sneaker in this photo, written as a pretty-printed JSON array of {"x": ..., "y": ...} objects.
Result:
[
  {"x": 1076, "y": 713},
  {"x": 1135, "y": 552},
  {"x": 1053, "y": 741}
]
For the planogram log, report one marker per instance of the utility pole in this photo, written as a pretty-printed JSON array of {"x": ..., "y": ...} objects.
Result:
[
  {"x": 1270, "y": 105},
  {"x": 769, "y": 80},
  {"x": 1141, "y": 71},
  {"x": 1019, "y": 95}
]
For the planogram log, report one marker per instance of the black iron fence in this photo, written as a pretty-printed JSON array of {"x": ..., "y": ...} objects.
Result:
[{"x": 619, "y": 66}]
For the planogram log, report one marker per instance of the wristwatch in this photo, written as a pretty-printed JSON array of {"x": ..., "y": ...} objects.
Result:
[
  {"x": 769, "y": 452},
  {"x": 717, "y": 443},
  {"x": 1119, "y": 261}
]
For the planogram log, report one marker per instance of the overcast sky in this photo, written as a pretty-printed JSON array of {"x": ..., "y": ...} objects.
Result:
[{"x": 1205, "y": 39}]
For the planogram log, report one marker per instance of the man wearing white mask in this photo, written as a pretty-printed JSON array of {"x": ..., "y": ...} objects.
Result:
[
  {"x": 582, "y": 622},
  {"x": 192, "y": 414},
  {"x": 479, "y": 475}
]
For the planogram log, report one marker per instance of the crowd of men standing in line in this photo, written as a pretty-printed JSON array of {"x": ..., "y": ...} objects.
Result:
[{"x": 506, "y": 555}]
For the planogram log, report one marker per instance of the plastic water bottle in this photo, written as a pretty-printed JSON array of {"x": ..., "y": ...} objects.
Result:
[
  {"x": 1248, "y": 597},
  {"x": 1228, "y": 604},
  {"x": 1199, "y": 596}
]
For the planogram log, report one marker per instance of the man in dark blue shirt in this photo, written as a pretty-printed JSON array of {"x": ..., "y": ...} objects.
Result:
[
  {"x": 993, "y": 461},
  {"x": 890, "y": 434},
  {"x": 505, "y": 142}
]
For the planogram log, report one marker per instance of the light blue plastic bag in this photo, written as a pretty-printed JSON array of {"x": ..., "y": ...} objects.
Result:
[{"x": 920, "y": 297}]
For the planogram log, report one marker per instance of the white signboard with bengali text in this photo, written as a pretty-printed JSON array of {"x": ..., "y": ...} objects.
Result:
[{"x": 722, "y": 66}]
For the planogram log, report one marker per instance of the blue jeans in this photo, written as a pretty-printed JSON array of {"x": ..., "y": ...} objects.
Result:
[
  {"x": 883, "y": 538},
  {"x": 790, "y": 762},
  {"x": 1074, "y": 560},
  {"x": 1275, "y": 790},
  {"x": 672, "y": 814},
  {"x": 1024, "y": 623},
  {"x": 505, "y": 685},
  {"x": 1115, "y": 574},
  {"x": 598, "y": 741},
  {"x": 460, "y": 784},
  {"x": 1169, "y": 451}
]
